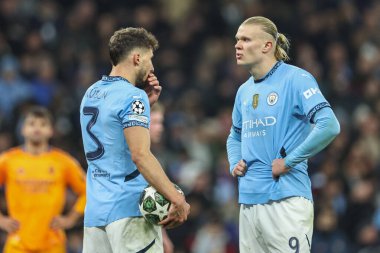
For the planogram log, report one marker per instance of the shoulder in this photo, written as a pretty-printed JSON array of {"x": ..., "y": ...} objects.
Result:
[
  {"x": 13, "y": 152},
  {"x": 295, "y": 72},
  {"x": 245, "y": 85},
  {"x": 61, "y": 154}
]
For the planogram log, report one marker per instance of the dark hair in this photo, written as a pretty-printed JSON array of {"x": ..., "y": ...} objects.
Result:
[
  {"x": 39, "y": 112},
  {"x": 125, "y": 40}
]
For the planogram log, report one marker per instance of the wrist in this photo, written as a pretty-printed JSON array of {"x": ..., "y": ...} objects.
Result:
[{"x": 178, "y": 200}]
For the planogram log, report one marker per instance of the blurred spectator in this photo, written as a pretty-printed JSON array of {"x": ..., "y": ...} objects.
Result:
[{"x": 50, "y": 51}]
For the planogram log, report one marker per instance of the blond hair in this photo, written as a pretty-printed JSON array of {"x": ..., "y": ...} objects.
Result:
[{"x": 282, "y": 43}]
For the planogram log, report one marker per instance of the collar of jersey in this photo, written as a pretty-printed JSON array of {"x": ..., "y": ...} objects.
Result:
[
  {"x": 270, "y": 72},
  {"x": 113, "y": 78}
]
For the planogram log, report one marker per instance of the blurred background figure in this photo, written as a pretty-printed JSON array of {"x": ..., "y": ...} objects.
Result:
[
  {"x": 337, "y": 41},
  {"x": 35, "y": 176}
]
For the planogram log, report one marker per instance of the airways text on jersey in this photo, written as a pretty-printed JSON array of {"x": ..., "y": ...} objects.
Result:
[{"x": 257, "y": 127}]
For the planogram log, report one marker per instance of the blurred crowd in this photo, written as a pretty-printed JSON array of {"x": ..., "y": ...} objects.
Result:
[{"x": 51, "y": 51}]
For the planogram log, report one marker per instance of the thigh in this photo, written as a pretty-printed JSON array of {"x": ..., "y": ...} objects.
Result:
[
  {"x": 95, "y": 240},
  {"x": 250, "y": 237},
  {"x": 131, "y": 235},
  {"x": 287, "y": 225}
]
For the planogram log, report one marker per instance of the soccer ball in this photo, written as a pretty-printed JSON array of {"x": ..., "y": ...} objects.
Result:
[{"x": 153, "y": 206}]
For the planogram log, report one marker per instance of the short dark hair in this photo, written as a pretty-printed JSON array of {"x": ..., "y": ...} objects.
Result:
[
  {"x": 39, "y": 112},
  {"x": 123, "y": 41}
]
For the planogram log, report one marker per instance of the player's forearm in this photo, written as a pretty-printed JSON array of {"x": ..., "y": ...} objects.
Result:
[
  {"x": 233, "y": 149},
  {"x": 325, "y": 130},
  {"x": 152, "y": 171},
  {"x": 74, "y": 215}
]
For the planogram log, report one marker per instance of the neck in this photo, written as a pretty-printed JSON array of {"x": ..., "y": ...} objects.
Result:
[
  {"x": 123, "y": 71},
  {"x": 258, "y": 71},
  {"x": 36, "y": 148}
]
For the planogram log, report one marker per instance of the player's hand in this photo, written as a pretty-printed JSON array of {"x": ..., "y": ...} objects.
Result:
[
  {"x": 63, "y": 222},
  {"x": 8, "y": 224},
  {"x": 177, "y": 214},
  {"x": 279, "y": 168},
  {"x": 240, "y": 169},
  {"x": 153, "y": 89}
]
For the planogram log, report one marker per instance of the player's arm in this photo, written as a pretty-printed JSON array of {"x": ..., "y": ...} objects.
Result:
[
  {"x": 138, "y": 140},
  {"x": 238, "y": 166},
  {"x": 325, "y": 130},
  {"x": 7, "y": 223},
  {"x": 75, "y": 178}
]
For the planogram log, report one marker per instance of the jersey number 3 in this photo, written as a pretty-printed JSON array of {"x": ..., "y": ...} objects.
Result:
[{"x": 99, "y": 152}]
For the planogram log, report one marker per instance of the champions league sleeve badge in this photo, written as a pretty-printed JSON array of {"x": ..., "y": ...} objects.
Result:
[{"x": 138, "y": 107}]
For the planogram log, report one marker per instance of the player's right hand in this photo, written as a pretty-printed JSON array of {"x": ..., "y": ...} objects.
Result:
[
  {"x": 8, "y": 224},
  {"x": 239, "y": 169},
  {"x": 177, "y": 214}
]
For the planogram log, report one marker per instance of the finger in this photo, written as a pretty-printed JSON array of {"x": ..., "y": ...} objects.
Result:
[
  {"x": 242, "y": 163},
  {"x": 238, "y": 172},
  {"x": 154, "y": 83},
  {"x": 152, "y": 78},
  {"x": 157, "y": 88},
  {"x": 165, "y": 221}
]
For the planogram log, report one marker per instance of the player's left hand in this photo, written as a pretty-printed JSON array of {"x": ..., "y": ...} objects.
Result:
[
  {"x": 153, "y": 89},
  {"x": 278, "y": 168}
]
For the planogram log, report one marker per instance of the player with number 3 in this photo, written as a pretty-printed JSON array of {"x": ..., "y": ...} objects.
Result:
[{"x": 115, "y": 117}]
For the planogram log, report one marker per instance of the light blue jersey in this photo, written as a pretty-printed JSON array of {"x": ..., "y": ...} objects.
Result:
[
  {"x": 113, "y": 182},
  {"x": 272, "y": 117}
]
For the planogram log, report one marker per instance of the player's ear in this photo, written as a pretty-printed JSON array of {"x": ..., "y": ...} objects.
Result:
[
  {"x": 267, "y": 46},
  {"x": 136, "y": 59}
]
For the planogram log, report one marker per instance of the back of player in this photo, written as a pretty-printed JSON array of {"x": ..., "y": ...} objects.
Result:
[
  {"x": 115, "y": 129},
  {"x": 114, "y": 182}
]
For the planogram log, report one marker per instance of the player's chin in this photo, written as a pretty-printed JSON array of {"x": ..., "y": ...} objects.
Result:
[{"x": 240, "y": 62}]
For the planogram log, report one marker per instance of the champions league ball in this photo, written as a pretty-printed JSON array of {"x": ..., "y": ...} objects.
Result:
[{"x": 153, "y": 206}]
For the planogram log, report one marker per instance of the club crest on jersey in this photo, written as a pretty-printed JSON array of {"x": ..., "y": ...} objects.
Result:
[
  {"x": 255, "y": 101},
  {"x": 138, "y": 107},
  {"x": 272, "y": 98}
]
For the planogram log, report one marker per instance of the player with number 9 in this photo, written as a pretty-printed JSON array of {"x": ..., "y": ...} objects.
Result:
[{"x": 271, "y": 139}]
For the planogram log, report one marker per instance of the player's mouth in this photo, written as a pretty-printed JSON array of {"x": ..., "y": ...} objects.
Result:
[{"x": 239, "y": 56}]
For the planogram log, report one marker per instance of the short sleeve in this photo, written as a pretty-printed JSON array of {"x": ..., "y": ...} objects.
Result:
[
  {"x": 75, "y": 178},
  {"x": 135, "y": 110},
  {"x": 236, "y": 114},
  {"x": 2, "y": 168},
  {"x": 309, "y": 97}
]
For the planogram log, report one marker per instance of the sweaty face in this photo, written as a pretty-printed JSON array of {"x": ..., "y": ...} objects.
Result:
[
  {"x": 145, "y": 67},
  {"x": 156, "y": 126},
  {"x": 250, "y": 42},
  {"x": 37, "y": 130}
]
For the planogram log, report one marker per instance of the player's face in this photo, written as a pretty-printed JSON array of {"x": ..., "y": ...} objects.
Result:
[
  {"x": 146, "y": 67},
  {"x": 37, "y": 130},
  {"x": 250, "y": 42},
  {"x": 156, "y": 126}
]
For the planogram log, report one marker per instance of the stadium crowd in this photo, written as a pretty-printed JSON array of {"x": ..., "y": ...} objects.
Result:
[{"x": 51, "y": 51}]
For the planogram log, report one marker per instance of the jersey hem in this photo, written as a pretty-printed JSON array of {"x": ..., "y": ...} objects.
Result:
[{"x": 264, "y": 198}]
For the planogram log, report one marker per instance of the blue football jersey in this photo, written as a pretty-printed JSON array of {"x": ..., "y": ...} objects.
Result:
[
  {"x": 273, "y": 116},
  {"x": 113, "y": 182}
]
